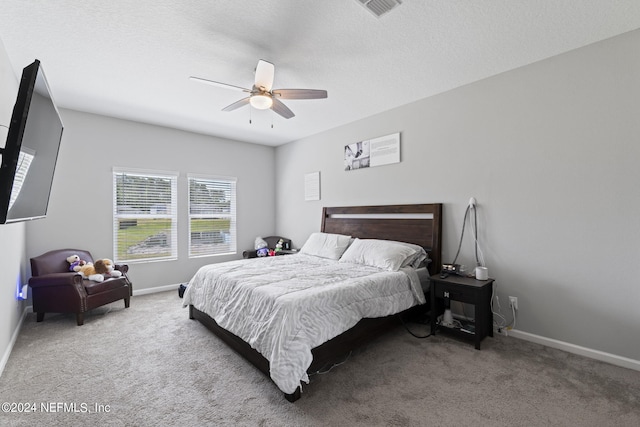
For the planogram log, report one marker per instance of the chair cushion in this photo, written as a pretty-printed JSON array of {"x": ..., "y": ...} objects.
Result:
[{"x": 97, "y": 287}]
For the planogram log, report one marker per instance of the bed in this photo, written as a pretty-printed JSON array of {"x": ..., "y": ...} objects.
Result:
[{"x": 253, "y": 298}]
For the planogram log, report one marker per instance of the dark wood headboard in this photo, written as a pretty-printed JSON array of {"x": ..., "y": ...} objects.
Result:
[{"x": 418, "y": 224}]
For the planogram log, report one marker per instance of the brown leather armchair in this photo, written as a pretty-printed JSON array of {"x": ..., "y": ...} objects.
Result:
[
  {"x": 271, "y": 244},
  {"x": 55, "y": 289}
]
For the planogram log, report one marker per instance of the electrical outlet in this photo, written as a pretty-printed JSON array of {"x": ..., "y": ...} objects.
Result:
[{"x": 513, "y": 303}]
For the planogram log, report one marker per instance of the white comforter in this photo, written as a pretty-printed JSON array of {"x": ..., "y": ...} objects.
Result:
[{"x": 286, "y": 305}]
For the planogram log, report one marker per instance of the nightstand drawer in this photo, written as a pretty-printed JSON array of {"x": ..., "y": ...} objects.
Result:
[{"x": 454, "y": 292}]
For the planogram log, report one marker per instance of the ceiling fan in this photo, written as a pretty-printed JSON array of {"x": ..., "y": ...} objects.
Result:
[{"x": 262, "y": 96}]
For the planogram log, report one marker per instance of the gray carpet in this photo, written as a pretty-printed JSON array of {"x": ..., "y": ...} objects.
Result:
[{"x": 150, "y": 365}]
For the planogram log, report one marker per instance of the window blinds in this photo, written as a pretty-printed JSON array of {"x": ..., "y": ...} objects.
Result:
[
  {"x": 212, "y": 216},
  {"x": 145, "y": 215}
]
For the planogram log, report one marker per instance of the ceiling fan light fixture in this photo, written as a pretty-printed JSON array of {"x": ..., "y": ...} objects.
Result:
[
  {"x": 262, "y": 97},
  {"x": 261, "y": 102}
]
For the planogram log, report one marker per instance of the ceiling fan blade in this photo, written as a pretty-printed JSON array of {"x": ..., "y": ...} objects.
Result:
[
  {"x": 264, "y": 75},
  {"x": 300, "y": 93},
  {"x": 281, "y": 109},
  {"x": 237, "y": 104},
  {"x": 218, "y": 84}
]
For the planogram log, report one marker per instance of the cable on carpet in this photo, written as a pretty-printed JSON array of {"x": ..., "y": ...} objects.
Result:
[
  {"x": 409, "y": 330},
  {"x": 324, "y": 369}
]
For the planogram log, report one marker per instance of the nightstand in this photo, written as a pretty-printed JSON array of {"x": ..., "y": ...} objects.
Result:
[
  {"x": 468, "y": 290},
  {"x": 287, "y": 252}
]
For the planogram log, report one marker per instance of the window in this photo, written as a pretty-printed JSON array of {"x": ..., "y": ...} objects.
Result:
[
  {"x": 144, "y": 215},
  {"x": 212, "y": 216},
  {"x": 25, "y": 158}
]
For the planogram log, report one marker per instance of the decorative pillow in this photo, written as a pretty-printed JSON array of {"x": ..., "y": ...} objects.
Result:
[
  {"x": 385, "y": 254},
  {"x": 326, "y": 245}
]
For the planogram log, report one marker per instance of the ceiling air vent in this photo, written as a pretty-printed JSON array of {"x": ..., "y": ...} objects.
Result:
[{"x": 379, "y": 7}]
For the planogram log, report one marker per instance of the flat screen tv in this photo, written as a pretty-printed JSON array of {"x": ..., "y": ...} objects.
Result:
[{"x": 31, "y": 150}]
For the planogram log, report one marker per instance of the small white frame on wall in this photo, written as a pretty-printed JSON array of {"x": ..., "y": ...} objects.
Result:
[{"x": 312, "y": 186}]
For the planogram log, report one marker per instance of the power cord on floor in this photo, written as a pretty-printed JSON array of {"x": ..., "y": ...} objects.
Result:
[
  {"x": 409, "y": 330},
  {"x": 329, "y": 366}
]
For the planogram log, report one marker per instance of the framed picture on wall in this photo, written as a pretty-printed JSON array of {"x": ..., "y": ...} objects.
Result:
[{"x": 379, "y": 151}]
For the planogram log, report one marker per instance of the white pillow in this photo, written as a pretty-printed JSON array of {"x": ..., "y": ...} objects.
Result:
[
  {"x": 385, "y": 254},
  {"x": 326, "y": 245},
  {"x": 415, "y": 261}
]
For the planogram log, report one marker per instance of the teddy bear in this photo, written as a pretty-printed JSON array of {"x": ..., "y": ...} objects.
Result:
[
  {"x": 98, "y": 270},
  {"x": 75, "y": 263}
]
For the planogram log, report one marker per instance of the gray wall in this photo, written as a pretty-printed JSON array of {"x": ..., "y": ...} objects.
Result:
[
  {"x": 12, "y": 236},
  {"x": 551, "y": 153},
  {"x": 81, "y": 209}
]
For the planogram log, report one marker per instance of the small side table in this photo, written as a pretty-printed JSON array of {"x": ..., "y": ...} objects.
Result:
[
  {"x": 287, "y": 252},
  {"x": 468, "y": 290}
]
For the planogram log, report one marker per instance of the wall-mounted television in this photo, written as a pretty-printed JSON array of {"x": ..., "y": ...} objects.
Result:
[{"x": 30, "y": 152}]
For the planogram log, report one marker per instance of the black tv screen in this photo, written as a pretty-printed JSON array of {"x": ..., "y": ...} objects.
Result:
[{"x": 31, "y": 150}]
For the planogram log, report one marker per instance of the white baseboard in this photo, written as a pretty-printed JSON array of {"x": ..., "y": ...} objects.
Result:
[
  {"x": 576, "y": 349},
  {"x": 14, "y": 337},
  {"x": 154, "y": 290}
]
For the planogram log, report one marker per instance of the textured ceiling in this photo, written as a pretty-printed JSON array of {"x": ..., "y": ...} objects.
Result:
[{"x": 132, "y": 59}]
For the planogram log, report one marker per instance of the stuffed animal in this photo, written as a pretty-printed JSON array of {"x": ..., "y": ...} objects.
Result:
[
  {"x": 279, "y": 245},
  {"x": 261, "y": 247},
  {"x": 75, "y": 263},
  {"x": 262, "y": 252},
  {"x": 98, "y": 271}
]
